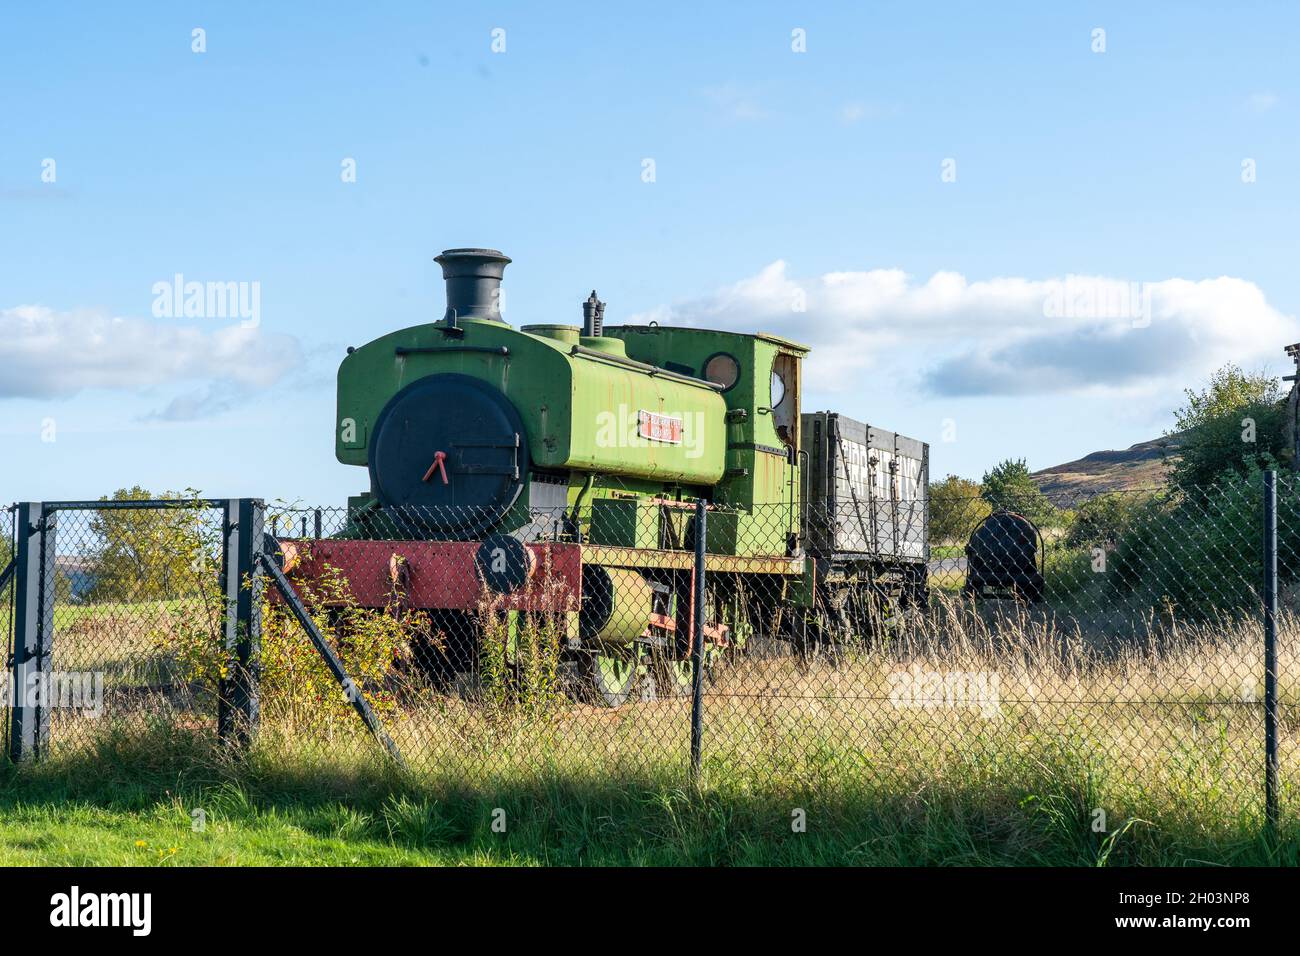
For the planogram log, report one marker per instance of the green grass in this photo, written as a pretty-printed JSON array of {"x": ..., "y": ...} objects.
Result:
[
  {"x": 1162, "y": 742},
  {"x": 128, "y": 799}
]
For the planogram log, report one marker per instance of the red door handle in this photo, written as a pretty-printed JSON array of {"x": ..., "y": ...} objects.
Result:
[{"x": 438, "y": 458}]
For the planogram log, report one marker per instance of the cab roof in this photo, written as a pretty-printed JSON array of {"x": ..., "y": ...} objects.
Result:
[{"x": 761, "y": 336}]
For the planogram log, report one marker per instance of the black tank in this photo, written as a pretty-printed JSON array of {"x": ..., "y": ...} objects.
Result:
[{"x": 1002, "y": 558}]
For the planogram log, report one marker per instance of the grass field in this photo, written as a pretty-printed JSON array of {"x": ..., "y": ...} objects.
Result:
[
  {"x": 1161, "y": 742},
  {"x": 822, "y": 762},
  {"x": 131, "y": 799}
]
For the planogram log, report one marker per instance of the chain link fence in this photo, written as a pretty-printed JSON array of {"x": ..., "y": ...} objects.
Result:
[{"x": 1117, "y": 639}]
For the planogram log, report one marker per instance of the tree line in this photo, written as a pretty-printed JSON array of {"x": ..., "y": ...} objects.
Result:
[{"x": 1225, "y": 432}]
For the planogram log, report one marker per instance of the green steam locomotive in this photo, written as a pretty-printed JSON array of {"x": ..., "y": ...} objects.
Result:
[{"x": 555, "y": 468}]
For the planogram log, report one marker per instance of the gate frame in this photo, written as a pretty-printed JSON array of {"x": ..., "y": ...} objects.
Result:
[
  {"x": 33, "y": 618},
  {"x": 33, "y": 630},
  {"x": 1271, "y": 763},
  {"x": 239, "y": 704}
]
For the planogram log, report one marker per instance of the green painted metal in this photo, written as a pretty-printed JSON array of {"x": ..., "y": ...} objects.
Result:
[
  {"x": 613, "y": 676},
  {"x": 761, "y": 480},
  {"x": 615, "y": 670},
  {"x": 580, "y": 408},
  {"x": 675, "y": 677},
  {"x": 617, "y": 604},
  {"x": 626, "y": 522},
  {"x": 682, "y": 561},
  {"x": 582, "y": 400}
]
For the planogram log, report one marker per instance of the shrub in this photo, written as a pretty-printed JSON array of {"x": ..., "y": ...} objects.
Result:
[
  {"x": 370, "y": 642},
  {"x": 519, "y": 661},
  {"x": 1066, "y": 571},
  {"x": 1196, "y": 555},
  {"x": 1008, "y": 486},
  {"x": 1103, "y": 520},
  {"x": 373, "y": 645},
  {"x": 519, "y": 656},
  {"x": 1234, "y": 425},
  {"x": 956, "y": 509}
]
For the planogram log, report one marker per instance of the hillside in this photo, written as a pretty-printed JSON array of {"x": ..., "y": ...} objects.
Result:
[{"x": 1143, "y": 465}]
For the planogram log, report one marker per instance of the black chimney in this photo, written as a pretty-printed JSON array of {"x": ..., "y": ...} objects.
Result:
[{"x": 473, "y": 283}]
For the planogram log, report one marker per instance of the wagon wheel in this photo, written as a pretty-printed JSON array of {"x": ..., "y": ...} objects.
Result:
[
  {"x": 611, "y": 677},
  {"x": 873, "y": 614},
  {"x": 812, "y": 637}
]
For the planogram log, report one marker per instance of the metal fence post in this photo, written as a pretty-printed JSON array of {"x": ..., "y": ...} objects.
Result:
[
  {"x": 239, "y": 707},
  {"x": 1270, "y": 652},
  {"x": 29, "y": 727},
  {"x": 697, "y": 639}
]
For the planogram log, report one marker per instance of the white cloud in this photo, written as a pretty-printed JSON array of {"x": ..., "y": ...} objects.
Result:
[
  {"x": 1002, "y": 336},
  {"x": 735, "y": 102},
  {"x": 851, "y": 113},
  {"x": 1261, "y": 102},
  {"x": 199, "y": 403},
  {"x": 46, "y": 353}
]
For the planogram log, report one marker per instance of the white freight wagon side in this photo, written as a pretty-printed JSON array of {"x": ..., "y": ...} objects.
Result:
[{"x": 866, "y": 491}]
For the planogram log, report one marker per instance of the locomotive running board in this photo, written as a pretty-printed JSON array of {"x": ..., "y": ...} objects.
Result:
[
  {"x": 350, "y": 689},
  {"x": 621, "y": 557}
]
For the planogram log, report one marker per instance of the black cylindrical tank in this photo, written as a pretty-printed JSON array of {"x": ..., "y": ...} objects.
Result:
[{"x": 1003, "y": 556}]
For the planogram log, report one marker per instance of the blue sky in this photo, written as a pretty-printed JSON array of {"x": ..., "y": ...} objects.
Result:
[{"x": 777, "y": 173}]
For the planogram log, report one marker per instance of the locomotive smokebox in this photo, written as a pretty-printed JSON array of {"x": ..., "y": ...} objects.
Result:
[{"x": 473, "y": 283}]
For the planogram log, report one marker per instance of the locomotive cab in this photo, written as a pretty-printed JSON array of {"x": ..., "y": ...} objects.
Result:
[{"x": 760, "y": 378}]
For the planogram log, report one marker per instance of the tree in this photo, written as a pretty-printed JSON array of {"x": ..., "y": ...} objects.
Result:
[
  {"x": 1105, "y": 519},
  {"x": 146, "y": 553},
  {"x": 62, "y": 584},
  {"x": 1008, "y": 486},
  {"x": 1237, "y": 423},
  {"x": 956, "y": 509}
]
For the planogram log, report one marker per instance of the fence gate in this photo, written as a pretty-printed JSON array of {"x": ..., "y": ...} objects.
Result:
[{"x": 110, "y": 612}]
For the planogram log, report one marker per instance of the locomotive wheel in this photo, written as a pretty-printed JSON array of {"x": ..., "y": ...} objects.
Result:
[{"x": 612, "y": 678}]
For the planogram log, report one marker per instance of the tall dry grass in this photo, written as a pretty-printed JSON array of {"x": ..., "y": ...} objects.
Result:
[{"x": 999, "y": 715}]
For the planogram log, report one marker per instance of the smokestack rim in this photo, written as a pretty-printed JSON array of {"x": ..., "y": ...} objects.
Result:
[{"x": 454, "y": 262}]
